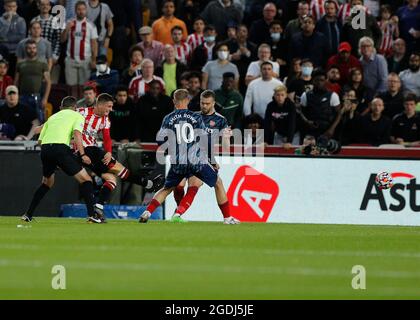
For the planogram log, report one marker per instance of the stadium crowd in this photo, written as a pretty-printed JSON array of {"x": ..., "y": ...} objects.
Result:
[{"x": 293, "y": 68}]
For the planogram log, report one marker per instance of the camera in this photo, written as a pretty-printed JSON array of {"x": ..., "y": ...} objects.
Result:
[{"x": 322, "y": 146}]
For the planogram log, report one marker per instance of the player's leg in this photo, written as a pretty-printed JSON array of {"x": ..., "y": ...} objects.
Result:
[
  {"x": 172, "y": 180},
  {"x": 110, "y": 183},
  {"x": 86, "y": 189},
  {"x": 179, "y": 191},
  {"x": 223, "y": 202},
  {"x": 46, "y": 185},
  {"x": 121, "y": 171},
  {"x": 49, "y": 154},
  {"x": 193, "y": 185}
]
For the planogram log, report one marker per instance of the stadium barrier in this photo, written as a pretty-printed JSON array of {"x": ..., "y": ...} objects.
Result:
[{"x": 326, "y": 190}]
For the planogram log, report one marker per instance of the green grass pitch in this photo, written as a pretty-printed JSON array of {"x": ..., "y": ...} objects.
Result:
[{"x": 160, "y": 260}]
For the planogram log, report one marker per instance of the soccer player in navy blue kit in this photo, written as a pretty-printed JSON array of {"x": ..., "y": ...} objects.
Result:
[
  {"x": 216, "y": 127},
  {"x": 187, "y": 141}
]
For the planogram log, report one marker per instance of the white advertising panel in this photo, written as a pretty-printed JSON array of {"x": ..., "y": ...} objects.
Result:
[{"x": 312, "y": 190}]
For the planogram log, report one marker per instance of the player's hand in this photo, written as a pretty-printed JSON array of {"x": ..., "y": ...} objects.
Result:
[
  {"x": 399, "y": 141},
  {"x": 287, "y": 146},
  {"x": 227, "y": 132},
  {"x": 107, "y": 158},
  {"x": 216, "y": 166},
  {"x": 86, "y": 160}
]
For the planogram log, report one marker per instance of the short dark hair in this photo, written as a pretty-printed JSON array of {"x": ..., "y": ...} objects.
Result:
[
  {"x": 333, "y": 66},
  {"x": 34, "y": 22},
  {"x": 276, "y": 22},
  {"x": 176, "y": 28},
  {"x": 166, "y": 1},
  {"x": 104, "y": 97},
  {"x": 194, "y": 74},
  {"x": 208, "y": 94},
  {"x": 80, "y": 3},
  {"x": 199, "y": 19},
  {"x": 29, "y": 42},
  {"x": 68, "y": 102},
  {"x": 228, "y": 75},
  {"x": 266, "y": 63},
  {"x": 209, "y": 27},
  {"x": 88, "y": 88},
  {"x": 134, "y": 49},
  {"x": 410, "y": 97},
  {"x": 121, "y": 88},
  {"x": 253, "y": 118},
  {"x": 319, "y": 72}
]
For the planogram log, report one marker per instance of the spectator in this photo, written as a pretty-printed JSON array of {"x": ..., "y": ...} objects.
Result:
[
  {"x": 152, "y": 49},
  {"x": 204, "y": 52},
  {"x": 106, "y": 78},
  {"x": 393, "y": 98},
  {"x": 409, "y": 24},
  {"x": 194, "y": 90},
  {"x": 23, "y": 119},
  {"x": 333, "y": 80},
  {"x": 295, "y": 71},
  {"x": 375, "y": 69},
  {"x": 406, "y": 126},
  {"x": 295, "y": 26},
  {"x": 182, "y": 49},
  {"x": 82, "y": 47},
  {"x": 213, "y": 70},
  {"x": 375, "y": 127},
  {"x": 260, "y": 91},
  {"x": 231, "y": 31},
  {"x": 5, "y": 80},
  {"x": 48, "y": 29},
  {"x": 278, "y": 44},
  {"x": 197, "y": 38},
  {"x": 345, "y": 61},
  {"x": 349, "y": 129},
  {"x": 230, "y": 101},
  {"x": 389, "y": 28},
  {"x": 163, "y": 26},
  {"x": 317, "y": 8},
  {"x": 254, "y": 69},
  {"x": 363, "y": 93},
  {"x": 319, "y": 107},
  {"x": 302, "y": 84},
  {"x": 134, "y": 70},
  {"x": 43, "y": 46},
  {"x": 260, "y": 29},
  {"x": 101, "y": 16},
  {"x": 12, "y": 31},
  {"x": 183, "y": 80},
  {"x": 411, "y": 77},
  {"x": 30, "y": 75},
  {"x": 89, "y": 96},
  {"x": 152, "y": 108},
  {"x": 242, "y": 53},
  {"x": 330, "y": 26},
  {"x": 370, "y": 29},
  {"x": 280, "y": 120},
  {"x": 171, "y": 70},
  {"x": 398, "y": 60},
  {"x": 189, "y": 11},
  {"x": 309, "y": 44},
  {"x": 122, "y": 117},
  {"x": 220, "y": 13},
  {"x": 253, "y": 135},
  {"x": 141, "y": 84}
]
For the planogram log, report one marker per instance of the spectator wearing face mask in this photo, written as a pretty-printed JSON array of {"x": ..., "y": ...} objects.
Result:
[
  {"x": 106, "y": 79},
  {"x": 302, "y": 84},
  {"x": 213, "y": 71},
  {"x": 204, "y": 52},
  {"x": 278, "y": 45}
]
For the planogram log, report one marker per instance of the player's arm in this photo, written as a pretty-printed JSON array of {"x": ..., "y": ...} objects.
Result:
[{"x": 78, "y": 140}]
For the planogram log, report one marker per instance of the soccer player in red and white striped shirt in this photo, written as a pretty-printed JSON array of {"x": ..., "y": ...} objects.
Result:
[
  {"x": 139, "y": 85},
  {"x": 182, "y": 49},
  {"x": 103, "y": 164},
  {"x": 197, "y": 38},
  {"x": 82, "y": 47},
  {"x": 389, "y": 28}
]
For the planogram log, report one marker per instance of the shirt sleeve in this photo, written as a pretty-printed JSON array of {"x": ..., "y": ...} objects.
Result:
[
  {"x": 79, "y": 123},
  {"x": 248, "y": 100},
  {"x": 253, "y": 70},
  {"x": 334, "y": 101},
  {"x": 106, "y": 134}
]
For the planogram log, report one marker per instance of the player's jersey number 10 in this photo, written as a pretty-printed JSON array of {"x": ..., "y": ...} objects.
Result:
[{"x": 184, "y": 133}]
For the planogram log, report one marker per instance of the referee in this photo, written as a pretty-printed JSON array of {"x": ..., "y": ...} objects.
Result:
[{"x": 55, "y": 139}]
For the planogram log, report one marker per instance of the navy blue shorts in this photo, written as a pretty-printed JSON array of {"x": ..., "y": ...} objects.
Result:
[{"x": 207, "y": 174}]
